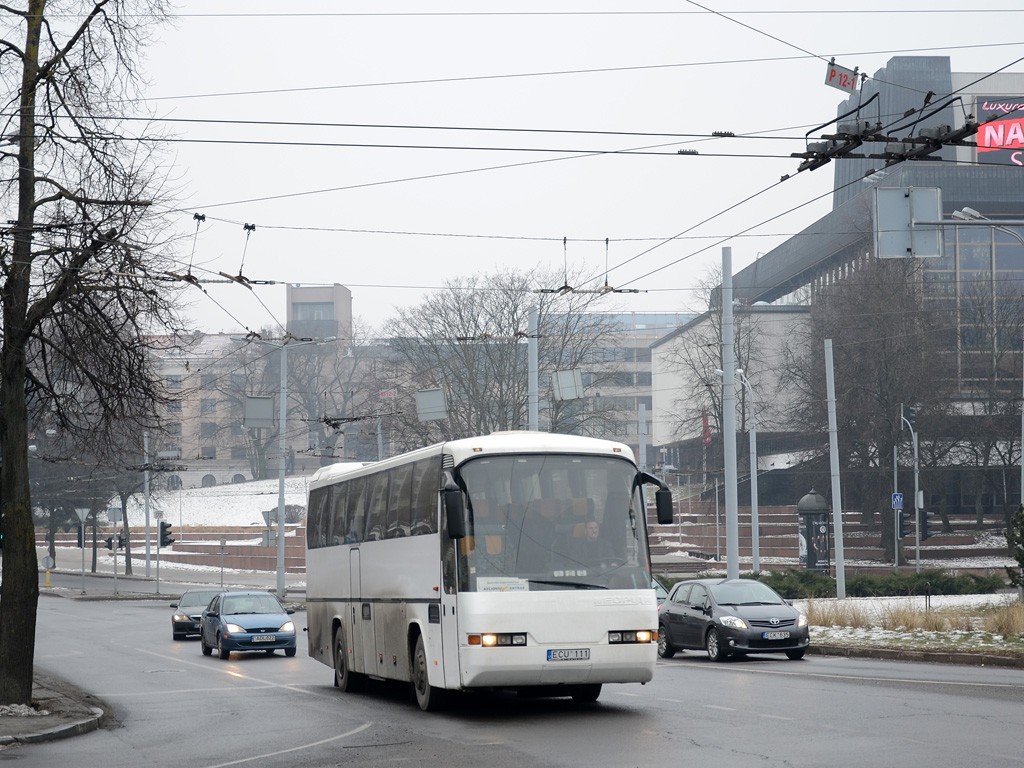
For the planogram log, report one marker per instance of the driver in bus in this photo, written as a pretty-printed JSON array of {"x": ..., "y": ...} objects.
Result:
[{"x": 591, "y": 550}]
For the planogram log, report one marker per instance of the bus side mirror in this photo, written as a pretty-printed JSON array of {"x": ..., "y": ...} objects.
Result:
[
  {"x": 663, "y": 502},
  {"x": 455, "y": 511}
]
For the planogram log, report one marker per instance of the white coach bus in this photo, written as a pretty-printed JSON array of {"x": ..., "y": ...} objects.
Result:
[{"x": 515, "y": 560}]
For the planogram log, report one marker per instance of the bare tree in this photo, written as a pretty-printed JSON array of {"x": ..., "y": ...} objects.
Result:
[
  {"x": 77, "y": 263},
  {"x": 696, "y": 355},
  {"x": 470, "y": 339},
  {"x": 887, "y": 352},
  {"x": 991, "y": 319}
]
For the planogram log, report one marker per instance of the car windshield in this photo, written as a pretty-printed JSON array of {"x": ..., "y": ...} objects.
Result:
[
  {"x": 238, "y": 604},
  {"x": 196, "y": 599},
  {"x": 744, "y": 593}
]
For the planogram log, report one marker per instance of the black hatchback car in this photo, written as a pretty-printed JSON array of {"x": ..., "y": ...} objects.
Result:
[
  {"x": 730, "y": 616},
  {"x": 188, "y": 613}
]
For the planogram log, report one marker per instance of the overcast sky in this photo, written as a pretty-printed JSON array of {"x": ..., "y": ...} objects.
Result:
[{"x": 575, "y": 80}]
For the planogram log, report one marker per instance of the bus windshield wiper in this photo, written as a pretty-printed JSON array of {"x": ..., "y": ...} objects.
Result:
[{"x": 576, "y": 584}]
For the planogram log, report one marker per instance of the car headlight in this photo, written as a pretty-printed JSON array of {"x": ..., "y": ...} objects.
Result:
[
  {"x": 180, "y": 617},
  {"x": 234, "y": 628},
  {"x": 287, "y": 627},
  {"x": 734, "y": 621},
  {"x": 802, "y": 621}
]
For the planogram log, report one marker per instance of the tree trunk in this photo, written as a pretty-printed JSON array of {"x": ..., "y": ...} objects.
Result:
[{"x": 19, "y": 593}]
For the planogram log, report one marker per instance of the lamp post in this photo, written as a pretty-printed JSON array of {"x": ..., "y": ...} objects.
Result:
[
  {"x": 755, "y": 530},
  {"x": 969, "y": 216},
  {"x": 283, "y": 345},
  {"x": 755, "y": 533}
]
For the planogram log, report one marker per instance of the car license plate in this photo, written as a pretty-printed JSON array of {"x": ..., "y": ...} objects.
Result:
[
  {"x": 569, "y": 654},
  {"x": 776, "y": 635},
  {"x": 267, "y": 638}
]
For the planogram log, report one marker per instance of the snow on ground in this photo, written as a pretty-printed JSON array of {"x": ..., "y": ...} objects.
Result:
[{"x": 222, "y": 505}]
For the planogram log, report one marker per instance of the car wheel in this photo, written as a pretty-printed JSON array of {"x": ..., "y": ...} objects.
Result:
[
  {"x": 221, "y": 651},
  {"x": 207, "y": 650},
  {"x": 586, "y": 694},
  {"x": 344, "y": 678},
  {"x": 665, "y": 649},
  {"x": 428, "y": 697},
  {"x": 713, "y": 643},
  {"x": 289, "y": 651},
  {"x": 796, "y": 655}
]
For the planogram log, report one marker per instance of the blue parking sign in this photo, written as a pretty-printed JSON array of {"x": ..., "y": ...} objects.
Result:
[{"x": 897, "y": 501}]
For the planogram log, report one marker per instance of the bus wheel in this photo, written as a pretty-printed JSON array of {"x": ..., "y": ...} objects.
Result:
[
  {"x": 586, "y": 694},
  {"x": 344, "y": 678},
  {"x": 428, "y": 697}
]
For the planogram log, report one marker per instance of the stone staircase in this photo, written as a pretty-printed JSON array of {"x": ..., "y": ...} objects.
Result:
[
  {"x": 243, "y": 548},
  {"x": 700, "y": 532}
]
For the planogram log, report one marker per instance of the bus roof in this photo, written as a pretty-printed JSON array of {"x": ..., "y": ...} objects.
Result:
[
  {"x": 483, "y": 445},
  {"x": 533, "y": 442}
]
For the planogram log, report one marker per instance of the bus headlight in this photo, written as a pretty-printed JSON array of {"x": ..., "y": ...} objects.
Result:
[
  {"x": 492, "y": 639},
  {"x": 616, "y": 637}
]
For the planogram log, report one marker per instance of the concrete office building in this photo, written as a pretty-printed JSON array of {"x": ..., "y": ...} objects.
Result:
[{"x": 988, "y": 178}]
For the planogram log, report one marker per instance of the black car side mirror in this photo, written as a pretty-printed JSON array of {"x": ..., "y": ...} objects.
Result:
[
  {"x": 290, "y": 611},
  {"x": 174, "y": 605}
]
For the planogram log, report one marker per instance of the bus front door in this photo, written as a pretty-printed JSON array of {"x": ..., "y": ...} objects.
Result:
[{"x": 353, "y": 622}]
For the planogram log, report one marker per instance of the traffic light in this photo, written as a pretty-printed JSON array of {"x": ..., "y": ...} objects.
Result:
[
  {"x": 81, "y": 537},
  {"x": 924, "y": 525},
  {"x": 165, "y": 535},
  {"x": 120, "y": 541},
  {"x": 910, "y": 415},
  {"x": 109, "y": 542},
  {"x": 906, "y": 516}
]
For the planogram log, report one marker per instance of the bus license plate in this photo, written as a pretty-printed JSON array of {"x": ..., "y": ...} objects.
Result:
[
  {"x": 569, "y": 654},
  {"x": 264, "y": 638},
  {"x": 776, "y": 635}
]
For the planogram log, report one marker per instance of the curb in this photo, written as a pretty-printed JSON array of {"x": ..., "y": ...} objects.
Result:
[
  {"x": 67, "y": 730},
  {"x": 932, "y": 657}
]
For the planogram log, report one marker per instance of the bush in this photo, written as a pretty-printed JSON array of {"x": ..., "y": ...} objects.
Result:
[
  {"x": 802, "y": 584},
  {"x": 797, "y": 584},
  {"x": 924, "y": 583}
]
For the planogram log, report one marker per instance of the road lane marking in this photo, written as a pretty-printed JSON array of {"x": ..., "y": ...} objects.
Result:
[
  {"x": 870, "y": 679},
  {"x": 715, "y": 706},
  {"x": 264, "y": 756},
  {"x": 233, "y": 673},
  {"x": 186, "y": 691}
]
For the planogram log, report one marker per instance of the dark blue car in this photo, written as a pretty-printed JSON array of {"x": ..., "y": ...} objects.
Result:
[{"x": 247, "y": 621}]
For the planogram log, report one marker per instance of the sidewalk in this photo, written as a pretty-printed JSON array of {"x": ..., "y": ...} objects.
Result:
[{"x": 69, "y": 712}]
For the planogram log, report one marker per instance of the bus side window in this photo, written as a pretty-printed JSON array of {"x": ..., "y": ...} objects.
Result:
[
  {"x": 337, "y": 514},
  {"x": 316, "y": 533},
  {"x": 425, "y": 495},
  {"x": 400, "y": 502},
  {"x": 376, "y": 510},
  {"x": 355, "y": 513}
]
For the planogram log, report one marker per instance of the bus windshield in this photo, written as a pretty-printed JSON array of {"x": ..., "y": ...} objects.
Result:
[{"x": 541, "y": 522}]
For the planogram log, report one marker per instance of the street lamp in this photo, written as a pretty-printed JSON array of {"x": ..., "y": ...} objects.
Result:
[
  {"x": 283, "y": 345},
  {"x": 755, "y": 532},
  {"x": 969, "y": 215}
]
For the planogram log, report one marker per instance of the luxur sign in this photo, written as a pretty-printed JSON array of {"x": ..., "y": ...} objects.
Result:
[{"x": 1001, "y": 141}]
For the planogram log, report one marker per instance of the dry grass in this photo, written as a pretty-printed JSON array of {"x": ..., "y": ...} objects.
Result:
[
  {"x": 837, "y": 614},
  {"x": 1008, "y": 620},
  {"x": 1003, "y": 621}
]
